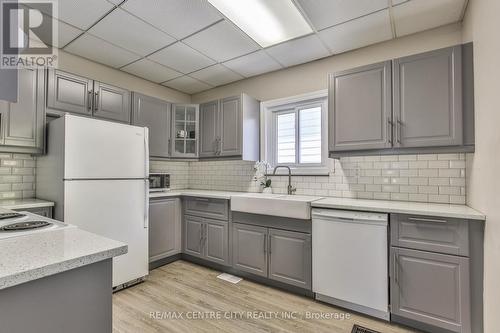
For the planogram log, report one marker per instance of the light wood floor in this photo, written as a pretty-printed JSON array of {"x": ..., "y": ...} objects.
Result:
[{"x": 183, "y": 287}]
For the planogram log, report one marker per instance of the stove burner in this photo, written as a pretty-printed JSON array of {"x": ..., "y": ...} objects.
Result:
[
  {"x": 20, "y": 226},
  {"x": 10, "y": 215}
]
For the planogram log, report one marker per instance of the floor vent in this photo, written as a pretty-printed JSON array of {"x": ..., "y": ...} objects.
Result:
[
  {"x": 229, "y": 278},
  {"x": 360, "y": 329}
]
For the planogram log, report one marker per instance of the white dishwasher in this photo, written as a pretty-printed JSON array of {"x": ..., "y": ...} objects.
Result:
[{"x": 350, "y": 260}]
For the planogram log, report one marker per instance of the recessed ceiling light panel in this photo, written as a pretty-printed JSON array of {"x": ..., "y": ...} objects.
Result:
[{"x": 266, "y": 22}]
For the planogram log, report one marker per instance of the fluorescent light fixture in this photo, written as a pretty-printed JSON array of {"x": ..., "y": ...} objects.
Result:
[{"x": 267, "y": 22}]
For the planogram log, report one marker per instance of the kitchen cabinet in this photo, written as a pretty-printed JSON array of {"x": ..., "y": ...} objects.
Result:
[
  {"x": 290, "y": 259},
  {"x": 206, "y": 239},
  {"x": 154, "y": 114},
  {"x": 164, "y": 228},
  {"x": 229, "y": 127},
  {"x": 361, "y": 104},
  {"x": 279, "y": 255},
  {"x": 250, "y": 249},
  {"x": 428, "y": 99},
  {"x": 185, "y": 131},
  {"x": 22, "y": 123},
  {"x": 8, "y": 84},
  {"x": 413, "y": 104},
  {"x": 42, "y": 211},
  {"x": 68, "y": 92},
  {"x": 431, "y": 288},
  {"x": 212, "y": 208}
]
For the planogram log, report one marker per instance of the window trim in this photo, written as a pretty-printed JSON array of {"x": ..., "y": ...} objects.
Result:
[{"x": 269, "y": 135}]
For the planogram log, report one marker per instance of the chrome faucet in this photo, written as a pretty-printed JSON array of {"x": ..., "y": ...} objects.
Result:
[{"x": 290, "y": 189}]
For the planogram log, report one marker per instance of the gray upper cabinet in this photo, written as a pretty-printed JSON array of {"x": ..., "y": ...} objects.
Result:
[
  {"x": 209, "y": 116},
  {"x": 8, "y": 84},
  {"x": 360, "y": 108},
  {"x": 69, "y": 92},
  {"x": 111, "y": 103},
  {"x": 185, "y": 131},
  {"x": 250, "y": 249},
  {"x": 154, "y": 114},
  {"x": 230, "y": 122},
  {"x": 428, "y": 99},
  {"x": 22, "y": 123},
  {"x": 412, "y": 104},
  {"x": 431, "y": 288},
  {"x": 164, "y": 228},
  {"x": 290, "y": 258},
  {"x": 230, "y": 128}
]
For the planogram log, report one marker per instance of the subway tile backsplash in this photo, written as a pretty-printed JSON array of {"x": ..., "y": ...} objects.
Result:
[
  {"x": 17, "y": 176},
  {"x": 425, "y": 178}
]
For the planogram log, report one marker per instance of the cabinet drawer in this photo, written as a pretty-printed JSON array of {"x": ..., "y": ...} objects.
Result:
[
  {"x": 428, "y": 233},
  {"x": 207, "y": 207}
]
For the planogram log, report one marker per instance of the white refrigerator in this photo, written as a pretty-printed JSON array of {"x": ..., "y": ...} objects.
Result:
[{"x": 97, "y": 172}]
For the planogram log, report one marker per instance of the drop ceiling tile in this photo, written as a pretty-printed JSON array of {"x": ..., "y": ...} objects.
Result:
[
  {"x": 418, "y": 15},
  {"x": 187, "y": 84},
  {"x": 253, "y": 64},
  {"x": 298, "y": 51},
  {"x": 65, "y": 33},
  {"x": 397, "y": 2},
  {"x": 326, "y": 13},
  {"x": 370, "y": 29},
  {"x": 178, "y": 18},
  {"x": 182, "y": 58},
  {"x": 216, "y": 75},
  {"x": 116, "y": 2},
  {"x": 222, "y": 41},
  {"x": 131, "y": 33},
  {"x": 152, "y": 71},
  {"x": 82, "y": 14},
  {"x": 96, "y": 49}
]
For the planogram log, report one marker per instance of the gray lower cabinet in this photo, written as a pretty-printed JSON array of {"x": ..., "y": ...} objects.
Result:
[
  {"x": 111, "y": 103},
  {"x": 428, "y": 99},
  {"x": 42, "y": 211},
  {"x": 290, "y": 258},
  {"x": 22, "y": 123},
  {"x": 279, "y": 255},
  {"x": 154, "y": 114},
  {"x": 164, "y": 228},
  {"x": 69, "y": 92},
  {"x": 229, "y": 127},
  {"x": 206, "y": 239},
  {"x": 250, "y": 249},
  {"x": 360, "y": 108},
  {"x": 431, "y": 288}
]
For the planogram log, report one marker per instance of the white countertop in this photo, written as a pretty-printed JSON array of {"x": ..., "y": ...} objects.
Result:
[
  {"x": 384, "y": 206},
  {"x": 403, "y": 207},
  {"x": 25, "y": 203},
  {"x": 34, "y": 256}
]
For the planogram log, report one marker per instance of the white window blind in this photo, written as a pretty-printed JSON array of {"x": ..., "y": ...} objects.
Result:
[
  {"x": 286, "y": 138},
  {"x": 310, "y": 135}
]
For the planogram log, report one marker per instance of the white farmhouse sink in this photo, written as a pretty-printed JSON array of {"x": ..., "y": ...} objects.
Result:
[{"x": 293, "y": 206}]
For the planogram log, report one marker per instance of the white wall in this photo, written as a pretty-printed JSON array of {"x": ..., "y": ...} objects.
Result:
[
  {"x": 482, "y": 25},
  {"x": 313, "y": 76},
  {"x": 90, "y": 69}
]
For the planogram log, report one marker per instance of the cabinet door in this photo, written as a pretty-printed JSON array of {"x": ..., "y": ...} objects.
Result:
[
  {"x": 8, "y": 84},
  {"x": 431, "y": 288},
  {"x": 290, "y": 257},
  {"x": 230, "y": 126},
  {"x": 164, "y": 231},
  {"x": 193, "y": 235},
  {"x": 111, "y": 103},
  {"x": 428, "y": 99},
  {"x": 209, "y": 115},
  {"x": 250, "y": 249},
  {"x": 22, "y": 123},
  {"x": 360, "y": 108},
  {"x": 154, "y": 114},
  {"x": 69, "y": 92},
  {"x": 42, "y": 211},
  {"x": 216, "y": 241},
  {"x": 185, "y": 130}
]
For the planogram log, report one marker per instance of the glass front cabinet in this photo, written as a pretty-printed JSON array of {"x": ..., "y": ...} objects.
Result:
[{"x": 185, "y": 131}]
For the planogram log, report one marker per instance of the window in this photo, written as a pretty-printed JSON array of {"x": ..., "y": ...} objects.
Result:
[{"x": 296, "y": 133}]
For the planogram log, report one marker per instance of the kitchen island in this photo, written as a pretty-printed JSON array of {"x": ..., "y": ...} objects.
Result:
[{"x": 57, "y": 281}]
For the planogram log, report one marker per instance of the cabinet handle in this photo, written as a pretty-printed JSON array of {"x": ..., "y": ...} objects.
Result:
[
  {"x": 89, "y": 100},
  {"x": 419, "y": 219},
  {"x": 389, "y": 130},
  {"x": 96, "y": 102},
  {"x": 270, "y": 250},
  {"x": 202, "y": 199},
  {"x": 220, "y": 145},
  {"x": 265, "y": 243},
  {"x": 399, "y": 129},
  {"x": 396, "y": 269},
  {"x": 201, "y": 236}
]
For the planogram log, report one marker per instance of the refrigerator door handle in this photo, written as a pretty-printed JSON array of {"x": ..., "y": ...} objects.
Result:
[
  {"x": 146, "y": 203},
  {"x": 146, "y": 152}
]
